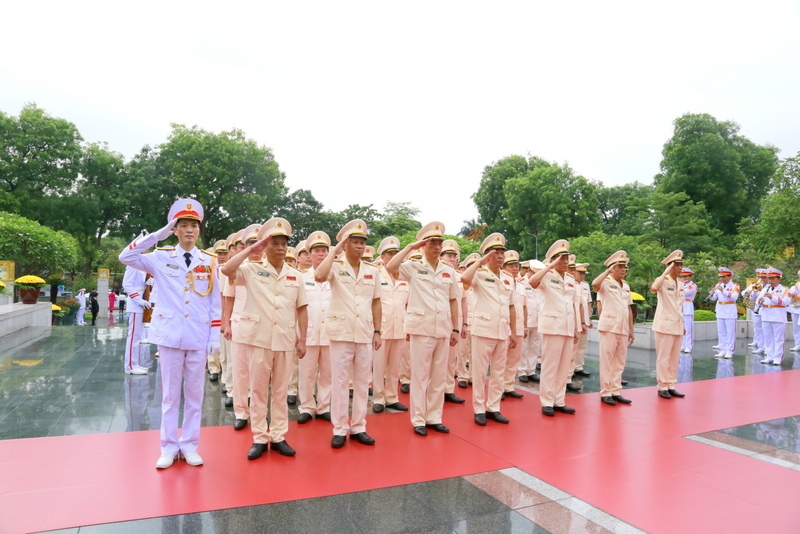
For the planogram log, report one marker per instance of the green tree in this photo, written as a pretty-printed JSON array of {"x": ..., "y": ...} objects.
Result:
[
  {"x": 713, "y": 164},
  {"x": 614, "y": 216},
  {"x": 39, "y": 155},
  {"x": 398, "y": 219},
  {"x": 36, "y": 249}
]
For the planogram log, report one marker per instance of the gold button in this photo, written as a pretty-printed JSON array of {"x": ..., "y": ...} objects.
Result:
[
  {"x": 187, "y": 315},
  {"x": 187, "y": 302}
]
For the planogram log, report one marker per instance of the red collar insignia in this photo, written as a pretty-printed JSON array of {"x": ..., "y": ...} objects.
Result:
[
  {"x": 445, "y": 275},
  {"x": 292, "y": 278},
  {"x": 367, "y": 277}
]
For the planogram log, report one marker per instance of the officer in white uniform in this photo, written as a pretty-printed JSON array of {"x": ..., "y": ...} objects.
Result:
[
  {"x": 81, "y": 298},
  {"x": 752, "y": 293},
  {"x": 725, "y": 294},
  {"x": 134, "y": 286},
  {"x": 185, "y": 326},
  {"x": 774, "y": 302},
  {"x": 689, "y": 294},
  {"x": 794, "y": 291}
]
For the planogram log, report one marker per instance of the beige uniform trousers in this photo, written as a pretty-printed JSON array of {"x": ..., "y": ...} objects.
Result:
[
  {"x": 266, "y": 366},
  {"x": 240, "y": 358},
  {"x": 344, "y": 356},
  {"x": 428, "y": 370},
  {"x": 314, "y": 372},
  {"x": 226, "y": 364},
  {"x": 405, "y": 364},
  {"x": 485, "y": 352},
  {"x": 512, "y": 364},
  {"x": 295, "y": 374},
  {"x": 613, "y": 352},
  {"x": 579, "y": 354},
  {"x": 463, "y": 359},
  {"x": 668, "y": 355},
  {"x": 213, "y": 363},
  {"x": 452, "y": 357},
  {"x": 386, "y": 370},
  {"x": 531, "y": 352},
  {"x": 556, "y": 368}
]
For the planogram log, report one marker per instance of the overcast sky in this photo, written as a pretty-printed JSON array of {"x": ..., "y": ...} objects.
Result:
[{"x": 369, "y": 102}]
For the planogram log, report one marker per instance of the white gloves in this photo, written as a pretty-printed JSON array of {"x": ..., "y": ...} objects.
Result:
[
  {"x": 213, "y": 347},
  {"x": 166, "y": 231},
  {"x": 150, "y": 282},
  {"x": 145, "y": 304}
]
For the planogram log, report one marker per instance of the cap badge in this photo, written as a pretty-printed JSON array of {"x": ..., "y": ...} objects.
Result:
[{"x": 188, "y": 206}]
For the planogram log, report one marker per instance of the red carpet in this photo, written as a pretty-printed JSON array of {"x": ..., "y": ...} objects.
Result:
[{"x": 631, "y": 461}]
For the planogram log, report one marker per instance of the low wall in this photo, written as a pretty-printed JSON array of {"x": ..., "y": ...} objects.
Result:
[{"x": 14, "y": 317}]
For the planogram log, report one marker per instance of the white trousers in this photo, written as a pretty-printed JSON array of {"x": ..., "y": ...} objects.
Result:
[
  {"x": 135, "y": 330},
  {"x": 688, "y": 337},
  {"x": 226, "y": 362},
  {"x": 178, "y": 367},
  {"x": 796, "y": 329},
  {"x": 758, "y": 332},
  {"x": 531, "y": 352},
  {"x": 344, "y": 356},
  {"x": 774, "y": 334},
  {"x": 79, "y": 316},
  {"x": 726, "y": 332}
]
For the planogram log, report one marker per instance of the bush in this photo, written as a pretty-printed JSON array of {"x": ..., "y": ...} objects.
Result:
[{"x": 704, "y": 315}]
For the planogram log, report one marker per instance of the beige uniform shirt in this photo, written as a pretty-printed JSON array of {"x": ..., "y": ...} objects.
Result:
[
  {"x": 319, "y": 301},
  {"x": 394, "y": 296},
  {"x": 237, "y": 291},
  {"x": 533, "y": 299},
  {"x": 490, "y": 317},
  {"x": 586, "y": 300},
  {"x": 617, "y": 301},
  {"x": 428, "y": 311},
  {"x": 518, "y": 300},
  {"x": 350, "y": 314},
  {"x": 560, "y": 298},
  {"x": 268, "y": 318},
  {"x": 669, "y": 312}
]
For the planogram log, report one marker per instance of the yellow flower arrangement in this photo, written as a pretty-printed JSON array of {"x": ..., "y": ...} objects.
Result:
[
  {"x": 29, "y": 282},
  {"x": 55, "y": 307}
]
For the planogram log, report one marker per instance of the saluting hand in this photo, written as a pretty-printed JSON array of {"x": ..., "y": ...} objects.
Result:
[{"x": 419, "y": 244}]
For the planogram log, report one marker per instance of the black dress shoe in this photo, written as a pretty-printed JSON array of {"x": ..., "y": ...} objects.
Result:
[
  {"x": 572, "y": 387},
  {"x": 326, "y": 416},
  {"x": 674, "y": 393},
  {"x": 548, "y": 410},
  {"x": 363, "y": 438},
  {"x": 621, "y": 399},
  {"x": 514, "y": 395},
  {"x": 229, "y": 402},
  {"x": 239, "y": 424},
  {"x": 497, "y": 416},
  {"x": 480, "y": 419},
  {"x": 304, "y": 418},
  {"x": 351, "y": 393},
  {"x": 439, "y": 428},
  {"x": 370, "y": 392},
  {"x": 337, "y": 442},
  {"x": 624, "y": 382},
  {"x": 502, "y": 396},
  {"x": 213, "y": 377},
  {"x": 283, "y": 448},
  {"x": 224, "y": 390},
  {"x": 256, "y": 451},
  {"x": 291, "y": 399},
  {"x": 451, "y": 397},
  {"x": 462, "y": 384},
  {"x": 564, "y": 409},
  {"x": 420, "y": 431},
  {"x": 608, "y": 400},
  {"x": 582, "y": 373},
  {"x": 533, "y": 378},
  {"x": 523, "y": 379},
  {"x": 538, "y": 368},
  {"x": 377, "y": 408},
  {"x": 404, "y": 388},
  {"x": 664, "y": 394},
  {"x": 398, "y": 406}
]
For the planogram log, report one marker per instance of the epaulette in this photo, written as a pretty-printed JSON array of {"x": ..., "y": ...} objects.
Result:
[
  {"x": 165, "y": 248},
  {"x": 209, "y": 253}
]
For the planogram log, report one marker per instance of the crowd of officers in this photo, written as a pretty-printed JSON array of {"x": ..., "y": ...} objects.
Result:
[{"x": 318, "y": 325}]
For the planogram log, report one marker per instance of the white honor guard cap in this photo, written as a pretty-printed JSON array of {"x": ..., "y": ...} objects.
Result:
[{"x": 185, "y": 208}]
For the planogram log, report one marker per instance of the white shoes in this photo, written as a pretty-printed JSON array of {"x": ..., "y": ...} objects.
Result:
[
  {"x": 720, "y": 354},
  {"x": 136, "y": 371},
  {"x": 766, "y": 361},
  {"x": 192, "y": 458},
  {"x": 715, "y": 346},
  {"x": 728, "y": 356},
  {"x": 795, "y": 349},
  {"x": 759, "y": 351},
  {"x": 753, "y": 344},
  {"x": 776, "y": 362},
  {"x": 165, "y": 460},
  {"x": 687, "y": 351}
]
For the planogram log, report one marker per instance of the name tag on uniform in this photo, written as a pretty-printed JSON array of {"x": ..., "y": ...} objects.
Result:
[
  {"x": 422, "y": 272},
  {"x": 490, "y": 280},
  {"x": 344, "y": 273},
  {"x": 172, "y": 266},
  {"x": 670, "y": 289},
  {"x": 384, "y": 283},
  {"x": 262, "y": 273},
  {"x": 310, "y": 283},
  {"x": 555, "y": 281},
  {"x": 613, "y": 286}
]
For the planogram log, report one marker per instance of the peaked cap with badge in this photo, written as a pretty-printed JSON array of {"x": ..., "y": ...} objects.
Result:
[
  {"x": 511, "y": 256},
  {"x": 675, "y": 257},
  {"x": 492, "y": 242},
  {"x": 619, "y": 256},
  {"x": 558, "y": 248},
  {"x": 274, "y": 227},
  {"x": 432, "y": 230},
  {"x": 354, "y": 228},
  {"x": 318, "y": 239},
  {"x": 185, "y": 208},
  {"x": 389, "y": 244}
]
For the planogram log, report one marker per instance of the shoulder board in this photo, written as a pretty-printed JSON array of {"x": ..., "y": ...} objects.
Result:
[
  {"x": 165, "y": 248},
  {"x": 209, "y": 253}
]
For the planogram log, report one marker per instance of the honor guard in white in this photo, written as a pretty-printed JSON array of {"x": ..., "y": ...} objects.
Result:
[
  {"x": 432, "y": 323},
  {"x": 274, "y": 311},
  {"x": 725, "y": 294},
  {"x": 615, "y": 327},
  {"x": 511, "y": 266},
  {"x": 464, "y": 352},
  {"x": 559, "y": 326},
  {"x": 668, "y": 324},
  {"x": 774, "y": 303},
  {"x": 690, "y": 293},
  {"x": 386, "y": 367},
  {"x": 133, "y": 284},
  {"x": 353, "y": 327},
  {"x": 185, "y": 325},
  {"x": 449, "y": 255},
  {"x": 581, "y": 270},
  {"x": 314, "y": 373},
  {"x": 794, "y": 309},
  {"x": 216, "y": 362},
  {"x": 532, "y": 350},
  {"x": 750, "y": 296},
  {"x": 81, "y": 298}
]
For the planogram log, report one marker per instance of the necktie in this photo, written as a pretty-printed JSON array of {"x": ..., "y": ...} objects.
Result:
[{"x": 188, "y": 257}]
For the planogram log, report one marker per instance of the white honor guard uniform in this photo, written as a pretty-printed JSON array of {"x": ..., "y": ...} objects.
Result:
[
  {"x": 753, "y": 295},
  {"x": 185, "y": 326},
  {"x": 794, "y": 292},
  {"x": 134, "y": 286},
  {"x": 689, "y": 294},
  {"x": 726, "y": 294},
  {"x": 81, "y": 298},
  {"x": 774, "y": 304},
  {"x": 315, "y": 368}
]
